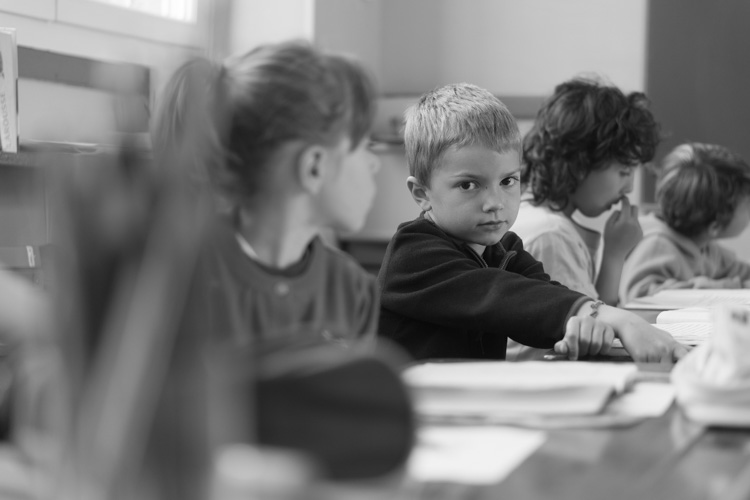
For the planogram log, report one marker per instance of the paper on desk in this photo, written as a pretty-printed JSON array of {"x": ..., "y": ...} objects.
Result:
[
  {"x": 645, "y": 399},
  {"x": 689, "y": 332},
  {"x": 468, "y": 454}
]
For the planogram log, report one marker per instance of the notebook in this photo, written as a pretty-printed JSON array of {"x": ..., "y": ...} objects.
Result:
[{"x": 503, "y": 388}]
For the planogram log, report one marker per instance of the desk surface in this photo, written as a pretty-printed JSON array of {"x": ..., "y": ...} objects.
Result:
[{"x": 669, "y": 457}]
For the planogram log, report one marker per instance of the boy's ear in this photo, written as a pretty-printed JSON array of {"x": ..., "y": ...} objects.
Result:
[
  {"x": 419, "y": 192},
  {"x": 311, "y": 165}
]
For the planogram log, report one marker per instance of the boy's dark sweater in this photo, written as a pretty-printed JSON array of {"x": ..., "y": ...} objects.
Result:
[{"x": 440, "y": 299}]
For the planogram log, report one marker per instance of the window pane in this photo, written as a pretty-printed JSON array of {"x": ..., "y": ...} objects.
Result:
[{"x": 179, "y": 10}]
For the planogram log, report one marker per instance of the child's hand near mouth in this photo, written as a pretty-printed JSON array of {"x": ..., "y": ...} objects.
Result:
[{"x": 622, "y": 232}]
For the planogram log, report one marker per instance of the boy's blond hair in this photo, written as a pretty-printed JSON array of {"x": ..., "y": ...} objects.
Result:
[{"x": 456, "y": 115}]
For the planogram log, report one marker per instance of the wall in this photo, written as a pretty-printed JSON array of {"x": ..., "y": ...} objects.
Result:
[
  {"x": 266, "y": 21},
  {"x": 354, "y": 27},
  {"x": 511, "y": 47}
]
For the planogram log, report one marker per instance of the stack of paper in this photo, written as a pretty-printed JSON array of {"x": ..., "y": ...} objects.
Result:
[
  {"x": 685, "y": 315},
  {"x": 690, "y": 326},
  {"x": 688, "y": 333},
  {"x": 514, "y": 389}
]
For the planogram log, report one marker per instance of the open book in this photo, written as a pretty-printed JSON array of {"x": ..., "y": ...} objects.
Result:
[
  {"x": 690, "y": 332},
  {"x": 691, "y": 325},
  {"x": 689, "y": 298},
  {"x": 503, "y": 388}
]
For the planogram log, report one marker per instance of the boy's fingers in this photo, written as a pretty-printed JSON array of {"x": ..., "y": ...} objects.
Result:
[
  {"x": 571, "y": 337},
  {"x": 609, "y": 337},
  {"x": 586, "y": 334},
  {"x": 678, "y": 352},
  {"x": 628, "y": 209},
  {"x": 597, "y": 339},
  {"x": 561, "y": 347}
]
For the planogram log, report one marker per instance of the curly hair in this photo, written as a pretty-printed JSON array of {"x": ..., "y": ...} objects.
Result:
[
  {"x": 700, "y": 184},
  {"x": 585, "y": 126}
]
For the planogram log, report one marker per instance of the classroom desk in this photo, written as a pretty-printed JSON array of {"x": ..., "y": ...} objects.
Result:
[{"x": 669, "y": 457}]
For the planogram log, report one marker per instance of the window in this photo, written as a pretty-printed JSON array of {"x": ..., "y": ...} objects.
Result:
[
  {"x": 43, "y": 9},
  {"x": 178, "y": 10},
  {"x": 176, "y": 22}
]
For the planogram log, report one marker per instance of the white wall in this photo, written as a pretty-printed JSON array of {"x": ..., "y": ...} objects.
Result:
[
  {"x": 511, "y": 47},
  {"x": 353, "y": 27},
  {"x": 254, "y": 22}
]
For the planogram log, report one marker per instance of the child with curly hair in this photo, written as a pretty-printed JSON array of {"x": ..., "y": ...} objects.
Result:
[{"x": 580, "y": 156}]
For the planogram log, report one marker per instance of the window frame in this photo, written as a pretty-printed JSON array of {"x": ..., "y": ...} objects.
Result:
[
  {"x": 42, "y": 9},
  {"x": 133, "y": 23}
]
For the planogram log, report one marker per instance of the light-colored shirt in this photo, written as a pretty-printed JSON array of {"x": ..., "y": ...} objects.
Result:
[
  {"x": 665, "y": 259},
  {"x": 566, "y": 250}
]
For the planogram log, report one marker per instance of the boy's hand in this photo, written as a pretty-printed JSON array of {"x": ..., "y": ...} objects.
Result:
[
  {"x": 585, "y": 336},
  {"x": 622, "y": 230},
  {"x": 646, "y": 343}
]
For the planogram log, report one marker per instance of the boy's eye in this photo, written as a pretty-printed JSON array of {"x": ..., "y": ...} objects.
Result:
[
  {"x": 627, "y": 172},
  {"x": 509, "y": 181},
  {"x": 467, "y": 185}
]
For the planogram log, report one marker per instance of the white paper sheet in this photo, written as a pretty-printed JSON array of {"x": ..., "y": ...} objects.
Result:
[
  {"x": 471, "y": 455},
  {"x": 645, "y": 399}
]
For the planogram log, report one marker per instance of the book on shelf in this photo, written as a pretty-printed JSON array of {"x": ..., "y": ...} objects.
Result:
[
  {"x": 501, "y": 388},
  {"x": 8, "y": 91},
  {"x": 689, "y": 298}
]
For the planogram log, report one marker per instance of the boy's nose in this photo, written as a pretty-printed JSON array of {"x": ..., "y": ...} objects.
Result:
[
  {"x": 629, "y": 186},
  {"x": 493, "y": 201}
]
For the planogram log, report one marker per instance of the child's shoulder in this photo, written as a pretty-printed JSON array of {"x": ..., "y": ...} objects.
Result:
[
  {"x": 337, "y": 261},
  {"x": 655, "y": 228}
]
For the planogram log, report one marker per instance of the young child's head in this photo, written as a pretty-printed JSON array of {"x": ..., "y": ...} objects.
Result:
[
  {"x": 463, "y": 149},
  {"x": 584, "y": 145},
  {"x": 289, "y": 116},
  {"x": 704, "y": 191}
]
